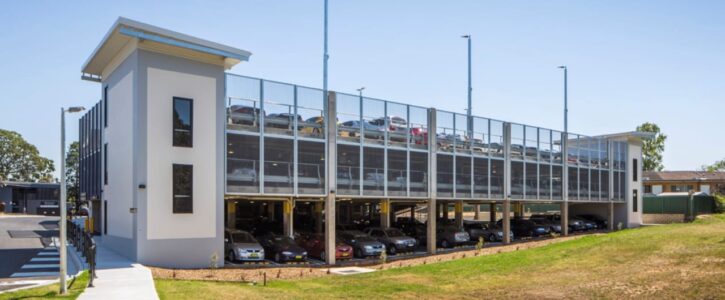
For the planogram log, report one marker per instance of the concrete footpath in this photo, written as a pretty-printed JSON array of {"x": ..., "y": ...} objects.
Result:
[{"x": 119, "y": 278}]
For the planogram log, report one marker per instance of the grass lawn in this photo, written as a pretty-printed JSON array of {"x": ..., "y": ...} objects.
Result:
[
  {"x": 668, "y": 261},
  {"x": 75, "y": 288}
]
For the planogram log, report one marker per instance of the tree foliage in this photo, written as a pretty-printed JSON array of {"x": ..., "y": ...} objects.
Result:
[
  {"x": 652, "y": 149},
  {"x": 72, "y": 160},
  {"x": 717, "y": 166},
  {"x": 21, "y": 161}
]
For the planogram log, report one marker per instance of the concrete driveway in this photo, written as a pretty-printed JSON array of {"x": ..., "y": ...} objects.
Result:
[{"x": 22, "y": 238}]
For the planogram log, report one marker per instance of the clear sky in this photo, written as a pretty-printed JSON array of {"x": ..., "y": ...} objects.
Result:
[{"x": 629, "y": 61}]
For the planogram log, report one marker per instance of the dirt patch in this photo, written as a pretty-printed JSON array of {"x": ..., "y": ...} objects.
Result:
[{"x": 258, "y": 276}]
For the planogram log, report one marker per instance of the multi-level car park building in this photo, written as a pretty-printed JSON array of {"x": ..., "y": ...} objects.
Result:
[{"x": 187, "y": 150}]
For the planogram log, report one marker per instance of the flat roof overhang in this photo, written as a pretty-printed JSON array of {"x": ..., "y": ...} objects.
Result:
[{"x": 125, "y": 31}]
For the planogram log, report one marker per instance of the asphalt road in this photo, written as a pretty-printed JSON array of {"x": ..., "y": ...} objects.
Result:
[{"x": 21, "y": 238}]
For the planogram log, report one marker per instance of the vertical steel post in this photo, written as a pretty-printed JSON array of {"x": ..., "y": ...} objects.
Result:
[
  {"x": 432, "y": 182},
  {"x": 62, "y": 224},
  {"x": 507, "y": 183},
  {"x": 564, "y": 185},
  {"x": 331, "y": 162}
]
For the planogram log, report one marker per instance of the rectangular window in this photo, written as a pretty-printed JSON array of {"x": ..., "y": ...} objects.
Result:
[
  {"x": 634, "y": 200},
  {"x": 182, "y": 189},
  {"x": 105, "y": 217},
  {"x": 105, "y": 163},
  {"x": 634, "y": 169},
  {"x": 183, "y": 122},
  {"x": 105, "y": 106}
]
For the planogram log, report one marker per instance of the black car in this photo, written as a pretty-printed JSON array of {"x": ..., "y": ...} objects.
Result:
[
  {"x": 599, "y": 222},
  {"x": 282, "y": 248},
  {"x": 552, "y": 221},
  {"x": 412, "y": 228},
  {"x": 522, "y": 227}
]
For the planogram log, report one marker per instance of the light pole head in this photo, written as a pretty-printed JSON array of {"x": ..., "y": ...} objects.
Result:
[
  {"x": 466, "y": 36},
  {"x": 74, "y": 109},
  {"x": 562, "y": 67},
  {"x": 361, "y": 89}
]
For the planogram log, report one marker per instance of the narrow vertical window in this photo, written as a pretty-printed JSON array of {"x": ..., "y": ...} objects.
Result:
[
  {"x": 105, "y": 163},
  {"x": 183, "y": 122},
  {"x": 182, "y": 189},
  {"x": 634, "y": 169},
  {"x": 105, "y": 217},
  {"x": 634, "y": 200},
  {"x": 105, "y": 106}
]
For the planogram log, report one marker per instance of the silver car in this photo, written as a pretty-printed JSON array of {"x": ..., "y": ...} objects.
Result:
[{"x": 241, "y": 246}]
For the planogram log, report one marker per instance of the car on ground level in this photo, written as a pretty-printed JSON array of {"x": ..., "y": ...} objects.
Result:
[
  {"x": 412, "y": 228},
  {"x": 314, "y": 243},
  {"x": 588, "y": 225},
  {"x": 526, "y": 228},
  {"x": 362, "y": 244},
  {"x": 449, "y": 236},
  {"x": 555, "y": 218},
  {"x": 282, "y": 248},
  {"x": 487, "y": 230},
  {"x": 601, "y": 223},
  {"x": 547, "y": 220},
  {"x": 239, "y": 245},
  {"x": 394, "y": 239}
]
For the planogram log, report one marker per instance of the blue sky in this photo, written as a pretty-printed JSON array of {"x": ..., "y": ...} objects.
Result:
[{"x": 629, "y": 61}]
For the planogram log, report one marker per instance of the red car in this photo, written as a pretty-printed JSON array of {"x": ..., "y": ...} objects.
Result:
[{"x": 315, "y": 246}]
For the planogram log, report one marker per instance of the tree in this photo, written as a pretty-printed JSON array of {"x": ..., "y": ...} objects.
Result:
[
  {"x": 72, "y": 159},
  {"x": 717, "y": 166},
  {"x": 652, "y": 149},
  {"x": 21, "y": 161}
]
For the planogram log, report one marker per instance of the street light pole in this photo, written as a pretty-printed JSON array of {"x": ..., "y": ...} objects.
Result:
[
  {"x": 469, "y": 126},
  {"x": 360, "y": 91},
  {"x": 62, "y": 223},
  {"x": 324, "y": 59},
  {"x": 62, "y": 205},
  {"x": 566, "y": 104}
]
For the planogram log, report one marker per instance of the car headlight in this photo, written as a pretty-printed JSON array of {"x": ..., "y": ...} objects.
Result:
[
  {"x": 401, "y": 242},
  {"x": 286, "y": 253},
  {"x": 368, "y": 247},
  {"x": 304, "y": 253}
]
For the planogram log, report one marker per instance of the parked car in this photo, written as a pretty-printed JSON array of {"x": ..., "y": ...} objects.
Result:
[
  {"x": 363, "y": 245},
  {"x": 547, "y": 220},
  {"x": 522, "y": 227},
  {"x": 601, "y": 223},
  {"x": 450, "y": 236},
  {"x": 282, "y": 248},
  {"x": 352, "y": 129},
  {"x": 282, "y": 120},
  {"x": 394, "y": 239},
  {"x": 241, "y": 246},
  {"x": 588, "y": 225},
  {"x": 314, "y": 243},
  {"x": 574, "y": 224},
  {"x": 245, "y": 115},
  {"x": 412, "y": 228},
  {"x": 487, "y": 230}
]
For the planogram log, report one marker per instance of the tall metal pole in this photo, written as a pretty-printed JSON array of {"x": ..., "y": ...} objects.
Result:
[
  {"x": 324, "y": 59},
  {"x": 566, "y": 101},
  {"x": 469, "y": 114},
  {"x": 62, "y": 204}
]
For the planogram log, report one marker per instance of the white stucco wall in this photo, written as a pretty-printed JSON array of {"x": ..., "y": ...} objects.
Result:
[
  {"x": 634, "y": 152},
  {"x": 120, "y": 191},
  {"x": 162, "y": 86}
]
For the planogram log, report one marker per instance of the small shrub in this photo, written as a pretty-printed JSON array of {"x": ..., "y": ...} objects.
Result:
[{"x": 383, "y": 257}]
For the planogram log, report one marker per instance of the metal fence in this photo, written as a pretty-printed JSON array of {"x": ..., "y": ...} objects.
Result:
[
  {"x": 83, "y": 241},
  {"x": 676, "y": 204}
]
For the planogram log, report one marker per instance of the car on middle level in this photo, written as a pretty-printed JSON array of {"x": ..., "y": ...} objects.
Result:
[
  {"x": 282, "y": 248},
  {"x": 240, "y": 245},
  {"x": 525, "y": 228},
  {"x": 449, "y": 236},
  {"x": 394, "y": 239},
  {"x": 487, "y": 230},
  {"x": 314, "y": 243},
  {"x": 363, "y": 244}
]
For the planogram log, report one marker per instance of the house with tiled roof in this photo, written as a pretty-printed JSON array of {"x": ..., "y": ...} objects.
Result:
[{"x": 684, "y": 181}]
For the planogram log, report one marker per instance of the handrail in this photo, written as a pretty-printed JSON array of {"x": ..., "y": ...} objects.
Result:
[{"x": 83, "y": 241}]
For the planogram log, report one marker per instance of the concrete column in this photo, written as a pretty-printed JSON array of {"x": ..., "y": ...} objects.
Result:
[
  {"x": 444, "y": 208},
  {"x": 331, "y": 178},
  {"x": 610, "y": 216},
  {"x": 385, "y": 213},
  {"x": 518, "y": 210},
  {"x": 506, "y": 221},
  {"x": 432, "y": 182},
  {"x": 492, "y": 212},
  {"x": 565, "y": 218},
  {"x": 459, "y": 213},
  {"x": 412, "y": 212},
  {"x": 231, "y": 214},
  {"x": 477, "y": 212},
  {"x": 288, "y": 207}
]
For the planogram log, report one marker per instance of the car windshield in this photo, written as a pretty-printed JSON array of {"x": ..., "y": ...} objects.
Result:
[
  {"x": 362, "y": 237},
  {"x": 394, "y": 232},
  {"x": 475, "y": 226},
  {"x": 242, "y": 237},
  {"x": 283, "y": 240}
]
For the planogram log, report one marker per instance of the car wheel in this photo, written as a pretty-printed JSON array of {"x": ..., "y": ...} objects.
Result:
[
  {"x": 492, "y": 238},
  {"x": 231, "y": 256},
  {"x": 278, "y": 258},
  {"x": 392, "y": 250},
  {"x": 445, "y": 244}
]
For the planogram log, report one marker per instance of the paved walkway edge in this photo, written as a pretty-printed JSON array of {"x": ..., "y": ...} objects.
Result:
[{"x": 119, "y": 278}]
